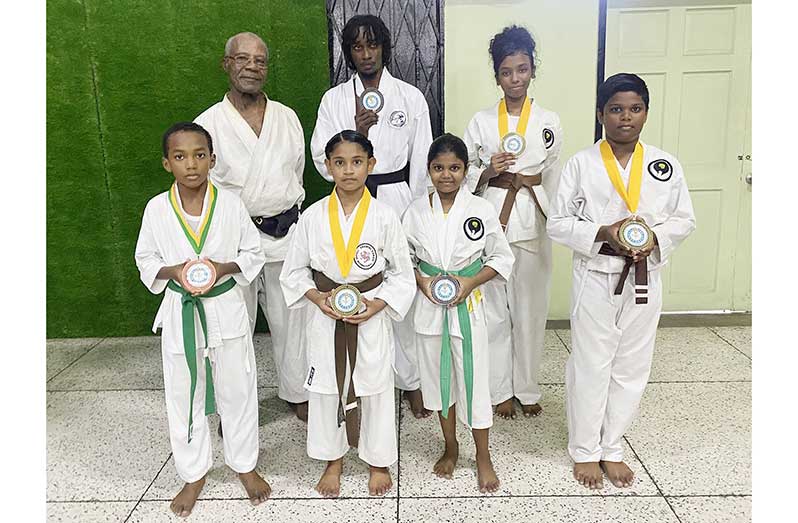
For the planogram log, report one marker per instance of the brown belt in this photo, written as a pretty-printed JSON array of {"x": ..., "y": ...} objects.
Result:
[
  {"x": 513, "y": 183},
  {"x": 346, "y": 345},
  {"x": 641, "y": 274}
]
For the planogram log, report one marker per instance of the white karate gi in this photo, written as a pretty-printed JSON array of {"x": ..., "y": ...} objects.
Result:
[
  {"x": 447, "y": 242},
  {"x": 517, "y": 310},
  {"x": 612, "y": 337},
  {"x": 231, "y": 238},
  {"x": 382, "y": 248},
  {"x": 266, "y": 172},
  {"x": 402, "y": 135}
]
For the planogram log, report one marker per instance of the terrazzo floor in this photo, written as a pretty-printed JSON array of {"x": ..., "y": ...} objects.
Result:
[{"x": 108, "y": 455}]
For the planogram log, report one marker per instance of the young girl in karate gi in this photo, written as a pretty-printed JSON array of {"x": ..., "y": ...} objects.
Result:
[
  {"x": 455, "y": 233},
  {"x": 350, "y": 238},
  {"x": 514, "y": 148}
]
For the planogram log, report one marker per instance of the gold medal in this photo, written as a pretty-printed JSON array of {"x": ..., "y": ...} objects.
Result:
[
  {"x": 635, "y": 234},
  {"x": 346, "y": 300},
  {"x": 513, "y": 142}
]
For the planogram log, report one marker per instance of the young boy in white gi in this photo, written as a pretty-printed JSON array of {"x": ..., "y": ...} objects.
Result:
[
  {"x": 514, "y": 147},
  {"x": 616, "y": 297},
  {"x": 400, "y": 132},
  {"x": 453, "y": 232},
  {"x": 350, "y": 238},
  {"x": 206, "y": 342}
]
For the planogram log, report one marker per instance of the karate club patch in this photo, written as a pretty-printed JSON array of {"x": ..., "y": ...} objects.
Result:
[
  {"x": 365, "y": 256},
  {"x": 473, "y": 228},
  {"x": 661, "y": 170},
  {"x": 548, "y": 137},
  {"x": 397, "y": 119}
]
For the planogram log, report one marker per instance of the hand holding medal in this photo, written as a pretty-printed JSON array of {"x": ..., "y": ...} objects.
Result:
[
  {"x": 198, "y": 276},
  {"x": 367, "y": 105}
]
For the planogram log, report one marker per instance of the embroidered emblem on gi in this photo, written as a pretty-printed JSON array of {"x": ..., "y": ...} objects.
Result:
[
  {"x": 473, "y": 228},
  {"x": 310, "y": 375},
  {"x": 661, "y": 169},
  {"x": 548, "y": 137},
  {"x": 365, "y": 256},
  {"x": 398, "y": 119}
]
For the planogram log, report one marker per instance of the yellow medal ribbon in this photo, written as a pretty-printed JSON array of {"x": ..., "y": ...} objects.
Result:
[
  {"x": 526, "y": 111},
  {"x": 346, "y": 255},
  {"x": 632, "y": 195},
  {"x": 196, "y": 239}
]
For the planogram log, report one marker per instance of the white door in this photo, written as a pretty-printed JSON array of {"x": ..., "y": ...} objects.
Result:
[{"x": 697, "y": 64}]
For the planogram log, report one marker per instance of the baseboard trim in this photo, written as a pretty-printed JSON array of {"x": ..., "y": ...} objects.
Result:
[{"x": 726, "y": 319}]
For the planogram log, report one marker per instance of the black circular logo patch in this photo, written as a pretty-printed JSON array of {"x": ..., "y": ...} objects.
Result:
[
  {"x": 398, "y": 119},
  {"x": 548, "y": 137},
  {"x": 473, "y": 228},
  {"x": 365, "y": 256},
  {"x": 661, "y": 169}
]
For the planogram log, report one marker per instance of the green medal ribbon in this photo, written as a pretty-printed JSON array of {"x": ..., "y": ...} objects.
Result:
[
  {"x": 189, "y": 303},
  {"x": 446, "y": 342}
]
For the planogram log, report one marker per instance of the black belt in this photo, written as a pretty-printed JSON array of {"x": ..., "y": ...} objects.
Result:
[
  {"x": 375, "y": 180},
  {"x": 278, "y": 225}
]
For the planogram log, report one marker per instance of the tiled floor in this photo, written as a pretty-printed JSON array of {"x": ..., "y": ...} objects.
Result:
[{"x": 109, "y": 458}]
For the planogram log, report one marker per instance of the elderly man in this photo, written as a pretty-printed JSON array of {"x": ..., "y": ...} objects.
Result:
[
  {"x": 397, "y": 122},
  {"x": 260, "y": 155}
]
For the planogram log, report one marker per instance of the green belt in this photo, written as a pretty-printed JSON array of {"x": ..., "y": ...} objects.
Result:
[
  {"x": 189, "y": 303},
  {"x": 446, "y": 348}
]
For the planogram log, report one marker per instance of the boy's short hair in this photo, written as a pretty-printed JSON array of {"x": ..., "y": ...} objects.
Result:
[
  {"x": 375, "y": 32},
  {"x": 185, "y": 127},
  {"x": 511, "y": 40},
  {"x": 619, "y": 83},
  {"x": 448, "y": 143}
]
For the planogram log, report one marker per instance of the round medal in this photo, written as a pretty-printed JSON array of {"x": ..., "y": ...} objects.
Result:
[
  {"x": 372, "y": 99},
  {"x": 635, "y": 234},
  {"x": 513, "y": 143},
  {"x": 444, "y": 289},
  {"x": 198, "y": 276},
  {"x": 345, "y": 300}
]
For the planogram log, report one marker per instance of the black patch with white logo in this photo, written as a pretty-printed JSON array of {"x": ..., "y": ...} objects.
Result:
[
  {"x": 365, "y": 256},
  {"x": 548, "y": 137},
  {"x": 398, "y": 119},
  {"x": 473, "y": 228},
  {"x": 310, "y": 375},
  {"x": 661, "y": 170}
]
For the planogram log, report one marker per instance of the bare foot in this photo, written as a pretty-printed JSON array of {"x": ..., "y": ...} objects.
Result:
[
  {"x": 257, "y": 488},
  {"x": 589, "y": 475},
  {"x": 486, "y": 476},
  {"x": 416, "y": 403},
  {"x": 185, "y": 499},
  {"x": 300, "y": 409},
  {"x": 618, "y": 473},
  {"x": 329, "y": 485},
  {"x": 379, "y": 481},
  {"x": 445, "y": 466},
  {"x": 531, "y": 410},
  {"x": 506, "y": 409}
]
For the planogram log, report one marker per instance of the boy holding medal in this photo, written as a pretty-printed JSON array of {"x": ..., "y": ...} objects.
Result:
[
  {"x": 348, "y": 262},
  {"x": 457, "y": 245},
  {"x": 198, "y": 246},
  {"x": 623, "y": 207}
]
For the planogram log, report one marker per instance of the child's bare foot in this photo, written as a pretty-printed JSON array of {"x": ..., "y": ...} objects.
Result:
[
  {"x": 486, "y": 476},
  {"x": 185, "y": 499},
  {"x": 445, "y": 466},
  {"x": 531, "y": 410},
  {"x": 416, "y": 403},
  {"x": 257, "y": 488},
  {"x": 329, "y": 485},
  {"x": 506, "y": 409},
  {"x": 618, "y": 473},
  {"x": 379, "y": 481},
  {"x": 589, "y": 475},
  {"x": 300, "y": 409}
]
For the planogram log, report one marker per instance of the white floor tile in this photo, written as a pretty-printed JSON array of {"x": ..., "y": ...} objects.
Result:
[{"x": 713, "y": 510}]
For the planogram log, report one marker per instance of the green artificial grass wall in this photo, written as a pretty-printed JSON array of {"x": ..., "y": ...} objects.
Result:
[{"x": 119, "y": 74}]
